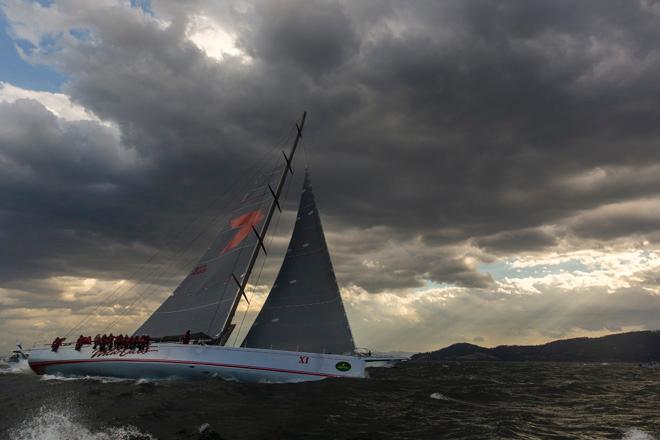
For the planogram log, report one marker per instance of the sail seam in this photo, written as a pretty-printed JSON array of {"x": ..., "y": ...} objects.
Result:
[
  {"x": 302, "y": 254},
  {"x": 303, "y": 305},
  {"x": 191, "y": 308},
  {"x": 228, "y": 253}
]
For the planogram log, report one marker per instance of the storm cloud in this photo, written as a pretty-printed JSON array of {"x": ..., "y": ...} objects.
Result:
[{"x": 444, "y": 139}]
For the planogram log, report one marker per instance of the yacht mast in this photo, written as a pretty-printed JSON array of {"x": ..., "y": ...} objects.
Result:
[{"x": 242, "y": 283}]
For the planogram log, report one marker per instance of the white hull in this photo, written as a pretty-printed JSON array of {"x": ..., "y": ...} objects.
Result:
[{"x": 171, "y": 360}]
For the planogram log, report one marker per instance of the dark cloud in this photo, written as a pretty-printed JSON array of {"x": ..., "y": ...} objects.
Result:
[
  {"x": 316, "y": 36},
  {"x": 439, "y": 134},
  {"x": 511, "y": 242},
  {"x": 450, "y": 132},
  {"x": 619, "y": 220}
]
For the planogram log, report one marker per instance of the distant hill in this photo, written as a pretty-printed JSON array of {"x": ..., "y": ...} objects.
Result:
[{"x": 641, "y": 346}]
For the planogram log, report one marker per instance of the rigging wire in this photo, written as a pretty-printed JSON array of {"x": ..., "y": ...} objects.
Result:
[
  {"x": 173, "y": 264},
  {"x": 304, "y": 148},
  {"x": 233, "y": 269},
  {"x": 148, "y": 293},
  {"x": 263, "y": 262},
  {"x": 211, "y": 206},
  {"x": 286, "y": 194},
  {"x": 157, "y": 273}
]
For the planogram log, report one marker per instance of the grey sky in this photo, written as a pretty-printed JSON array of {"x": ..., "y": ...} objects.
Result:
[{"x": 445, "y": 139}]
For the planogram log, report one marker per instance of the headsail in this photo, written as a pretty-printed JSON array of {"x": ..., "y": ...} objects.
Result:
[
  {"x": 203, "y": 300},
  {"x": 304, "y": 310}
]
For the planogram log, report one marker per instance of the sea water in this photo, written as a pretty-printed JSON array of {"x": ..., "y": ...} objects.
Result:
[{"x": 434, "y": 400}]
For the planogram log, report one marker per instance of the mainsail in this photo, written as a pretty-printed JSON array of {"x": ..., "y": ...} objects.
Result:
[
  {"x": 204, "y": 299},
  {"x": 304, "y": 310}
]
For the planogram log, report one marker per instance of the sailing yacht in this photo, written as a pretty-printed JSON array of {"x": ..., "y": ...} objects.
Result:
[{"x": 300, "y": 334}]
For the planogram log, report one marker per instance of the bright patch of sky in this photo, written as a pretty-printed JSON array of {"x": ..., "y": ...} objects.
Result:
[
  {"x": 145, "y": 5},
  {"x": 17, "y": 45},
  {"x": 608, "y": 270},
  {"x": 510, "y": 268},
  {"x": 17, "y": 71},
  {"x": 57, "y": 103},
  {"x": 429, "y": 285},
  {"x": 214, "y": 40}
]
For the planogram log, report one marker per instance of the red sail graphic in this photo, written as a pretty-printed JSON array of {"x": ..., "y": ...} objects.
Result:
[{"x": 245, "y": 222}]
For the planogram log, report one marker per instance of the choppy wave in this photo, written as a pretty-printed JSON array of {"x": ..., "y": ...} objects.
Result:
[
  {"x": 12, "y": 371},
  {"x": 55, "y": 424},
  {"x": 21, "y": 368},
  {"x": 102, "y": 379},
  {"x": 408, "y": 402},
  {"x": 637, "y": 434}
]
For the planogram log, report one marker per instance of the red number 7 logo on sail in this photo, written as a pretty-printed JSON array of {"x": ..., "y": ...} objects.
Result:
[{"x": 245, "y": 222}]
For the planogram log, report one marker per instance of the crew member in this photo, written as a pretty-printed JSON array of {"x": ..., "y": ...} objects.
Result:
[
  {"x": 186, "y": 337},
  {"x": 56, "y": 343}
]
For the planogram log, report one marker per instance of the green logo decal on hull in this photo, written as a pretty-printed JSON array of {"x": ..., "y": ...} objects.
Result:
[{"x": 343, "y": 366}]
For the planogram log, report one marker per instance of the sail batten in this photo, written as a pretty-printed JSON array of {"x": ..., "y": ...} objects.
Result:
[{"x": 304, "y": 310}]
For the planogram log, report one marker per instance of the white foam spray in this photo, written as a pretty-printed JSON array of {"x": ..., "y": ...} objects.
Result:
[
  {"x": 102, "y": 379},
  {"x": 637, "y": 434},
  {"x": 22, "y": 367},
  {"x": 57, "y": 424}
]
